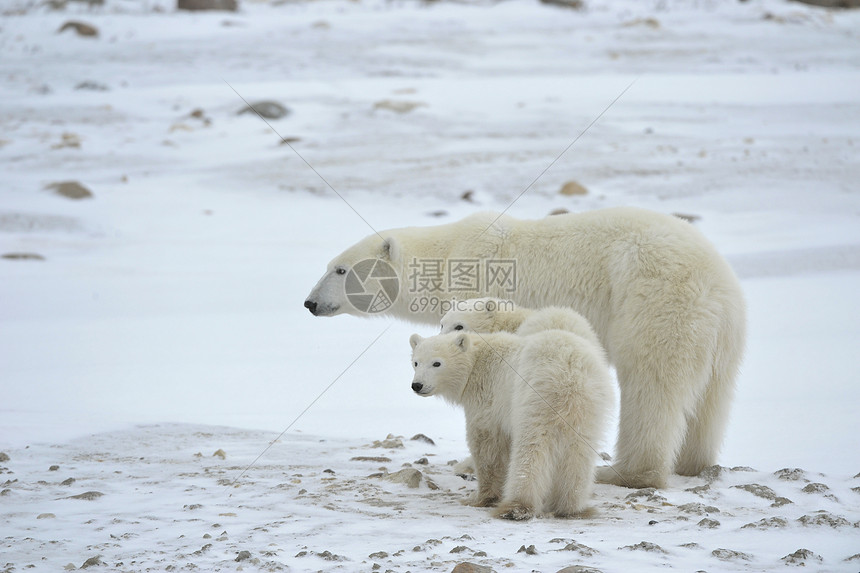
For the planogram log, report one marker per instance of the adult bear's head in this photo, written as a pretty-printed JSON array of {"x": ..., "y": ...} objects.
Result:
[{"x": 361, "y": 280}]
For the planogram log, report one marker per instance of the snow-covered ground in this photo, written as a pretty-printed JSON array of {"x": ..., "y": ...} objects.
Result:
[{"x": 165, "y": 318}]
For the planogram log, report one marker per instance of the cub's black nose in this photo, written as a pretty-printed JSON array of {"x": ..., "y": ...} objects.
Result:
[
  {"x": 311, "y": 306},
  {"x": 417, "y": 386}
]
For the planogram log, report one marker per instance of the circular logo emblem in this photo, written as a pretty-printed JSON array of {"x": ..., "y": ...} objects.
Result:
[{"x": 372, "y": 286}]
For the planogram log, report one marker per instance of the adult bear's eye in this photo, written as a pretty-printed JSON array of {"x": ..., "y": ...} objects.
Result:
[
  {"x": 437, "y": 364},
  {"x": 340, "y": 271},
  {"x": 458, "y": 327},
  {"x": 415, "y": 364}
]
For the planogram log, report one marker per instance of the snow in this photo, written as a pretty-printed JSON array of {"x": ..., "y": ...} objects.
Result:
[{"x": 166, "y": 318}]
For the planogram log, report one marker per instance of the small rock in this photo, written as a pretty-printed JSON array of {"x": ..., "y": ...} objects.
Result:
[
  {"x": 709, "y": 523},
  {"x": 645, "y": 546},
  {"x": 764, "y": 492},
  {"x": 376, "y": 459},
  {"x": 220, "y": 454},
  {"x": 583, "y": 550},
  {"x": 53, "y": 468},
  {"x": 698, "y": 508},
  {"x": 467, "y": 196},
  {"x": 438, "y": 213},
  {"x": 4, "y": 457},
  {"x": 68, "y": 140},
  {"x": 422, "y": 461},
  {"x": 467, "y": 567},
  {"x": 571, "y": 4},
  {"x": 391, "y": 443},
  {"x": 422, "y": 438},
  {"x": 815, "y": 488},
  {"x": 378, "y": 555},
  {"x": 92, "y": 561},
  {"x": 801, "y": 556},
  {"x": 195, "y": 5},
  {"x": 767, "y": 523},
  {"x": 649, "y": 494},
  {"x": 329, "y": 471},
  {"x": 87, "y": 495},
  {"x": 824, "y": 518},
  {"x": 559, "y": 211},
  {"x": 267, "y": 109},
  {"x": 579, "y": 569},
  {"x": 70, "y": 190},
  {"x": 790, "y": 474},
  {"x": 730, "y": 555},
  {"x": 711, "y": 473},
  {"x": 573, "y": 188},
  {"x": 408, "y": 476},
  {"x": 398, "y": 106},
  {"x": 23, "y": 257},
  {"x": 459, "y": 549},
  {"x": 92, "y": 86},
  {"x": 687, "y": 217},
  {"x": 530, "y": 550},
  {"x": 46, "y": 516},
  {"x": 243, "y": 555},
  {"x": 67, "y": 481},
  {"x": 80, "y": 28}
]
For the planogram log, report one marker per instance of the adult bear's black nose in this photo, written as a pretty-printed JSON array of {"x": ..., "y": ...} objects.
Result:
[
  {"x": 417, "y": 386},
  {"x": 311, "y": 306}
]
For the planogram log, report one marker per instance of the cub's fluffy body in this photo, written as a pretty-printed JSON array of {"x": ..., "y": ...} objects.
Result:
[{"x": 536, "y": 408}]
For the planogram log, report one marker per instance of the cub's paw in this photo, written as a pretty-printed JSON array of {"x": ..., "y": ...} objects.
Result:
[{"x": 515, "y": 511}]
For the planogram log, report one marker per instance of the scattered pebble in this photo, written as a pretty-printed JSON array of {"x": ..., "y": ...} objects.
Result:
[
  {"x": 764, "y": 492},
  {"x": 730, "y": 555},
  {"x": 824, "y": 518},
  {"x": 645, "y": 546},
  {"x": 23, "y": 256},
  {"x": 87, "y": 495},
  {"x": 408, "y": 476},
  {"x": 573, "y": 188},
  {"x": 583, "y": 550},
  {"x": 53, "y": 468},
  {"x": 70, "y": 190},
  {"x": 198, "y": 5},
  {"x": 243, "y": 555},
  {"x": 46, "y": 516},
  {"x": 815, "y": 488},
  {"x": 80, "y": 28},
  {"x": 4, "y": 457},
  {"x": 767, "y": 523},
  {"x": 220, "y": 454},
  {"x": 267, "y": 109},
  {"x": 92, "y": 561},
  {"x": 390, "y": 442},
  {"x": 530, "y": 550},
  {"x": 801, "y": 556},
  {"x": 398, "y": 106},
  {"x": 422, "y": 438},
  {"x": 790, "y": 474},
  {"x": 467, "y": 567},
  {"x": 709, "y": 523}
]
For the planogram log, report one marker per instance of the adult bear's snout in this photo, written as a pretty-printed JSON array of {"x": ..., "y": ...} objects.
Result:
[
  {"x": 417, "y": 387},
  {"x": 311, "y": 306}
]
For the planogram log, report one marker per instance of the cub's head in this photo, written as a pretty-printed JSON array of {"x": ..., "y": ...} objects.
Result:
[
  {"x": 356, "y": 274},
  {"x": 442, "y": 364},
  {"x": 476, "y": 314}
]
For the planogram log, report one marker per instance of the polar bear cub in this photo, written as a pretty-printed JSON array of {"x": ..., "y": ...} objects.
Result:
[
  {"x": 536, "y": 408},
  {"x": 488, "y": 314}
]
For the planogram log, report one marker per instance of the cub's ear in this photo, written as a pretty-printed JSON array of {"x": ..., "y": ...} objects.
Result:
[
  {"x": 463, "y": 342},
  {"x": 391, "y": 249},
  {"x": 415, "y": 339}
]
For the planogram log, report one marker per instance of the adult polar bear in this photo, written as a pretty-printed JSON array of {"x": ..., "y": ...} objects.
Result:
[{"x": 666, "y": 306}]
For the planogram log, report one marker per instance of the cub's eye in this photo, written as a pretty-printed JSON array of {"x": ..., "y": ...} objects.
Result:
[
  {"x": 340, "y": 271},
  {"x": 437, "y": 364},
  {"x": 415, "y": 364},
  {"x": 458, "y": 327}
]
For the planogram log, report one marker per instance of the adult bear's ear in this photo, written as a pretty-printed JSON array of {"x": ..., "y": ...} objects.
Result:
[
  {"x": 391, "y": 249},
  {"x": 463, "y": 342},
  {"x": 415, "y": 339}
]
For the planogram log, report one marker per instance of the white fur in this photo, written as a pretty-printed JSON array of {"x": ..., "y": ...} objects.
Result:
[
  {"x": 536, "y": 410},
  {"x": 665, "y": 305}
]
